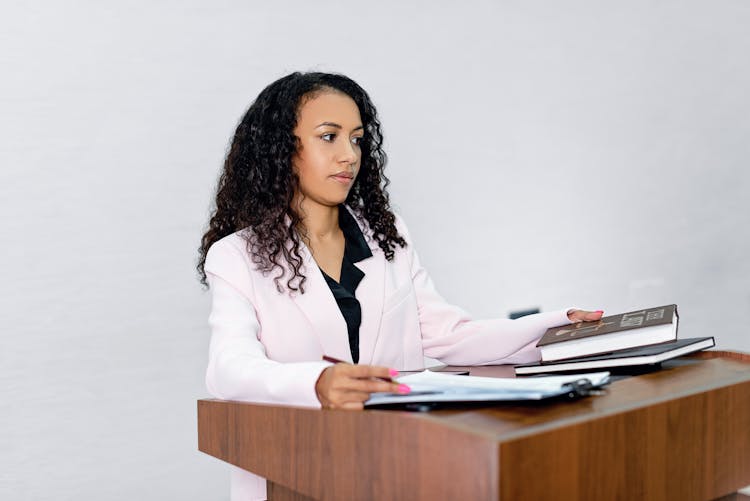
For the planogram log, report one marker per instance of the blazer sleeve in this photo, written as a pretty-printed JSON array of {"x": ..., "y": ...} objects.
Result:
[
  {"x": 450, "y": 335},
  {"x": 238, "y": 368}
]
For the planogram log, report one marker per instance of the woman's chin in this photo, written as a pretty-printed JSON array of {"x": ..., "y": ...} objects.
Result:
[{"x": 328, "y": 201}]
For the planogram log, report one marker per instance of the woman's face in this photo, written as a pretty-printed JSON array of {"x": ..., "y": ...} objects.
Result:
[{"x": 327, "y": 161}]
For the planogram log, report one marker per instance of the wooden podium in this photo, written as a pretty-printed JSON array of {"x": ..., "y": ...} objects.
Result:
[{"x": 679, "y": 433}]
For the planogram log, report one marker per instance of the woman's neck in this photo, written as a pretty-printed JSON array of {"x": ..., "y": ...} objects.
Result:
[{"x": 320, "y": 222}]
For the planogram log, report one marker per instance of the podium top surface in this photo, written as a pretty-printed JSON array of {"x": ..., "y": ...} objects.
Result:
[{"x": 690, "y": 375}]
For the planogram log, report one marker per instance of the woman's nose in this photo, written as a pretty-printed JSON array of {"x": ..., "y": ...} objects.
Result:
[{"x": 349, "y": 152}]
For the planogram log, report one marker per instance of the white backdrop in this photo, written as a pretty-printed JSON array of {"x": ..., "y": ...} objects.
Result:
[{"x": 543, "y": 153}]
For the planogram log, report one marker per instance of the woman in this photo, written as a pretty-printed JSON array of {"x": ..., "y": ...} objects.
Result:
[{"x": 304, "y": 258}]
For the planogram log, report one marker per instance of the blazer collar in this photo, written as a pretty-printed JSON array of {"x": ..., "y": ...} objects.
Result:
[{"x": 370, "y": 291}]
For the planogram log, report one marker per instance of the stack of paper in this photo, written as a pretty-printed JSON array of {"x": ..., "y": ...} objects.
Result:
[{"x": 430, "y": 386}]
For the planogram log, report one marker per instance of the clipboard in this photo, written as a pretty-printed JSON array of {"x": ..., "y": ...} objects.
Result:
[{"x": 434, "y": 390}]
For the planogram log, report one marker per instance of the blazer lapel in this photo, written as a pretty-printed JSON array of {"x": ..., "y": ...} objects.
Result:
[
  {"x": 370, "y": 294},
  {"x": 320, "y": 308}
]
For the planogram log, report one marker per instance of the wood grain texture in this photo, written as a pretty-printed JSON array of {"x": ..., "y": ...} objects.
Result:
[
  {"x": 350, "y": 455},
  {"x": 679, "y": 433},
  {"x": 735, "y": 496},
  {"x": 277, "y": 492},
  {"x": 696, "y": 447},
  {"x": 735, "y": 355}
]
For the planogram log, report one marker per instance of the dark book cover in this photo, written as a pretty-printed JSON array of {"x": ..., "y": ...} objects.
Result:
[{"x": 661, "y": 315}]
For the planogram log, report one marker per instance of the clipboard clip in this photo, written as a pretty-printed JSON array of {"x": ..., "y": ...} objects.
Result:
[{"x": 581, "y": 388}]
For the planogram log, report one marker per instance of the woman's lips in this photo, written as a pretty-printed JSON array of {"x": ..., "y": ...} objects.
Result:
[{"x": 343, "y": 179}]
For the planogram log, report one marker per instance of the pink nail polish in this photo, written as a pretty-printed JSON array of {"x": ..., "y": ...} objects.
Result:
[
  {"x": 393, "y": 372},
  {"x": 402, "y": 388},
  {"x": 599, "y": 311}
]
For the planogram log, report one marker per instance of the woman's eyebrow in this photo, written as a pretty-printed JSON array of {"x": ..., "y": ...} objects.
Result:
[{"x": 336, "y": 126}]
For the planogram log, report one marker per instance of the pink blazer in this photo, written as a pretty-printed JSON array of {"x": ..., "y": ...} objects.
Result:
[{"x": 266, "y": 346}]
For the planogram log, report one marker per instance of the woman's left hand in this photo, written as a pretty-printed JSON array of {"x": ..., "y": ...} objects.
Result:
[{"x": 585, "y": 316}]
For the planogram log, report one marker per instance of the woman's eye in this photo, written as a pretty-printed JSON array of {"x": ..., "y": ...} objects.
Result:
[
  {"x": 328, "y": 137},
  {"x": 357, "y": 140}
]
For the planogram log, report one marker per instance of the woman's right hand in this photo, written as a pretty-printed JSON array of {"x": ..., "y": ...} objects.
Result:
[{"x": 348, "y": 386}]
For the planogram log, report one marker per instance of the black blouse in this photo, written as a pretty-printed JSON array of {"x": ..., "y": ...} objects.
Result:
[{"x": 355, "y": 250}]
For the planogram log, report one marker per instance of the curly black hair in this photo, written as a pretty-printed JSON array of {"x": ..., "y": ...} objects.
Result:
[{"x": 257, "y": 184}]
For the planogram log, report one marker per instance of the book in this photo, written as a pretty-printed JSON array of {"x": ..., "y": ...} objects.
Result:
[
  {"x": 616, "y": 332},
  {"x": 642, "y": 355},
  {"x": 429, "y": 387}
]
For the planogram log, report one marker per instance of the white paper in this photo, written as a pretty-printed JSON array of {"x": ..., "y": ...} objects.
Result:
[
  {"x": 430, "y": 386},
  {"x": 436, "y": 380}
]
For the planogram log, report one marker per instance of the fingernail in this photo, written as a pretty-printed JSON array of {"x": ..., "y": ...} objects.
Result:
[
  {"x": 393, "y": 372},
  {"x": 599, "y": 311},
  {"x": 402, "y": 388}
]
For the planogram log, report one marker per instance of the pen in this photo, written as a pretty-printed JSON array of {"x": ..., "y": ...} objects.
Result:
[
  {"x": 338, "y": 361},
  {"x": 334, "y": 360}
]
